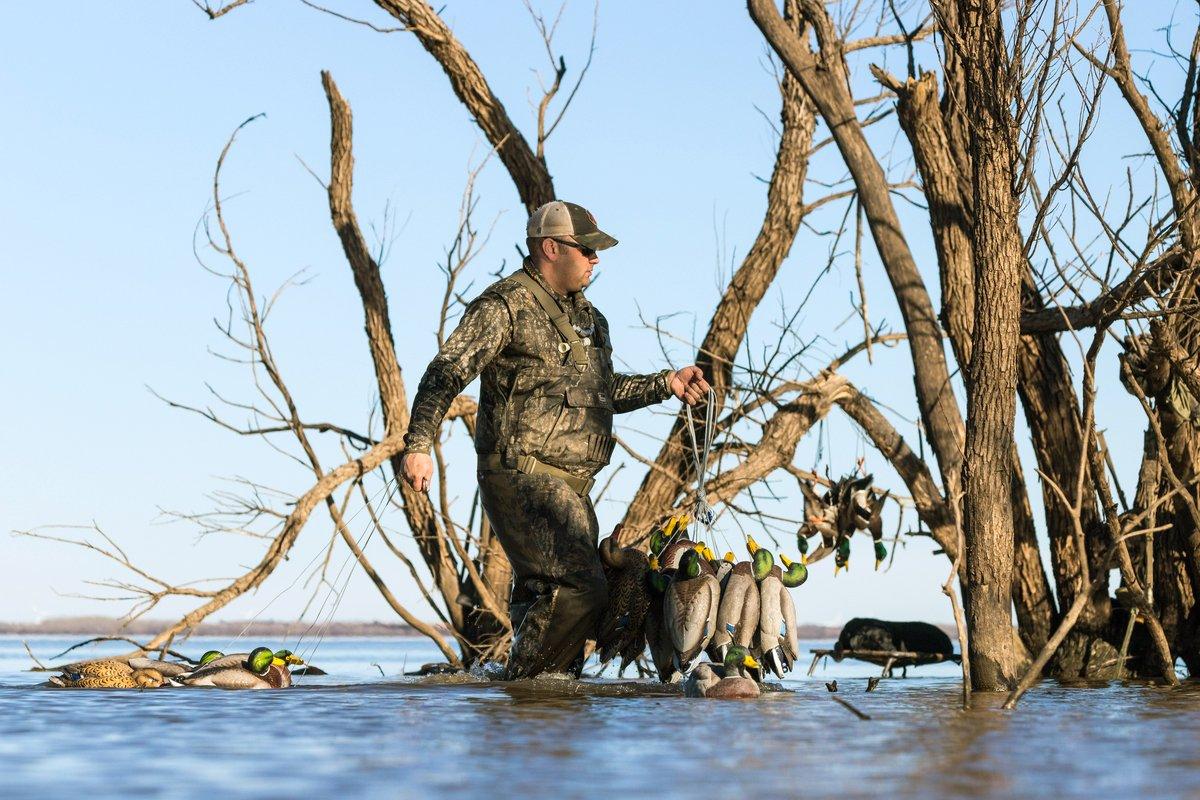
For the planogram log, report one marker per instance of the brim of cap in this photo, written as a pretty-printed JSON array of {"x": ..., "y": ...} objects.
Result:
[{"x": 597, "y": 240}]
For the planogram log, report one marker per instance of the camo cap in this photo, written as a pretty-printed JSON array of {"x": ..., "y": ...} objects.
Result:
[{"x": 559, "y": 219}]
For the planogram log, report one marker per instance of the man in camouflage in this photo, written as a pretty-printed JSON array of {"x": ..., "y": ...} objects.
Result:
[{"x": 544, "y": 429}]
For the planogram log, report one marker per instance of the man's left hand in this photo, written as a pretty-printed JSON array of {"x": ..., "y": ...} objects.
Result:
[{"x": 688, "y": 385}]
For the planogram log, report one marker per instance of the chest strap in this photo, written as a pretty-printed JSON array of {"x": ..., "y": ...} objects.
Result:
[{"x": 559, "y": 318}]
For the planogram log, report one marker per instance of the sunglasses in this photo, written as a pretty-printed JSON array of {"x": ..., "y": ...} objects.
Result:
[{"x": 587, "y": 252}]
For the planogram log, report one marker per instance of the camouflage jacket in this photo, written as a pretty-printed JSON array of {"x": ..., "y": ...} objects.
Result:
[{"x": 532, "y": 399}]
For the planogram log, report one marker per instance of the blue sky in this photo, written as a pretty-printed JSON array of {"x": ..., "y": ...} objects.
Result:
[{"x": 116, "y": 115}]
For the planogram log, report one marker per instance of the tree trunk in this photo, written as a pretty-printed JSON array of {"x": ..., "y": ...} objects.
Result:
[
  {"x": 992, "y": 376},
  {"x": 947, "y": 190}
]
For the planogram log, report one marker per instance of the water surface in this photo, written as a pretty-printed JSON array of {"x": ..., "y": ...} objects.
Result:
[{"x": 367, "y": 731}]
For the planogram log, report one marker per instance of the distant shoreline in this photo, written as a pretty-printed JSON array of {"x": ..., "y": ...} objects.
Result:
[{"x": 108, "y": 626}]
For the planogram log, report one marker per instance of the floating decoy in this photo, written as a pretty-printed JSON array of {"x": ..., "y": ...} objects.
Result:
[
  {"x": 261, "y": 669},
  {"x": 107, "y": 674},
  {"x": 168, "y": 669},
  {"x": 737, "y": 615},
  {"x": 730, "y": 681},
  {"x": 690, "y": 608},
  {"x": 216, "y": 659},
  {"x": 622, "y": 629}
]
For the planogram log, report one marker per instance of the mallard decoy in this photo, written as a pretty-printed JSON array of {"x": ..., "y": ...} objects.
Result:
[
  {"x": 216, "y": 659},
  {"x": 723, "y": 568},
  {"x": 777, "y": 639},
  {"x": 690, "y": 608},
  {"x": 262, "y": 669},
  {"x": 737, "y": 616},
  {"x": 662, "y": 654},
  {"x": 820, "y": 516},
  {"x": 168, "y": 669},
  {"x": 794, "y": 573},
  {"x": 107, "y": 674},
  {"x": 622, "y": 628},
  {"x": 674, "y": 528},
  {"x": 859, "y": 509},
  {"x": 729, "y": 681},
  {"x": 672, "y": 553}
]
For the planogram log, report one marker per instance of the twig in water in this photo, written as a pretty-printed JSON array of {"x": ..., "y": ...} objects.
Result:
[
  {"x": 40, "y": 665},
  {"x": 849, "y": 707}
]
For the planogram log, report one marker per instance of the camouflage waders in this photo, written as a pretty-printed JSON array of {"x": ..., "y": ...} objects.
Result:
[
  {"x": 549, "y": 534},
  {"x": 544, "y": 429}
]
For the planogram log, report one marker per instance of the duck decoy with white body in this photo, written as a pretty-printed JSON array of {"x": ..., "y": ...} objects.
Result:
[
  {"x": 737, "y": 615},
  {"x": 690, "y": 608},
  {"x": 777, "y": 638},
  {"x": 261, "y": 669}
]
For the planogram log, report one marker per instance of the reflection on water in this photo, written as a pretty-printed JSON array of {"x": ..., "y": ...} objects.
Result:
[{"x": 358, "y": 734}]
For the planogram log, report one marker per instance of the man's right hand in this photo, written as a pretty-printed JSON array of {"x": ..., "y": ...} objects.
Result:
[{"x": 418, "y": 470}]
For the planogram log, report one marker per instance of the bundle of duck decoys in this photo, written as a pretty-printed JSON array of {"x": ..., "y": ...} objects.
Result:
[
  {"x": 684, "y": 602},
  {"x": 849, "y": 505},
  {"x": 261, "y": 668}
]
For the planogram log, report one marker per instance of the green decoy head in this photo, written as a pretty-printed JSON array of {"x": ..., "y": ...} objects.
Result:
[
  {"x": 795, "y": 573},
  {"x": 802, "y": 543},
  {"x": 210, "y": 656},
  {"x": 843, "y": 550},
  {"x": 658, "y": 540},
  {"x": 762, "y": 561},
  {"x": 288, "y": 657},
  {"x": 260, "y": 660},
  {"x": 841, "y": 556},
  {"x": 738, "y": 658},
  {"x": 689, "y": 564},
  {"x": 658, "y": 581},
  {"x": 880, "y": 554}
]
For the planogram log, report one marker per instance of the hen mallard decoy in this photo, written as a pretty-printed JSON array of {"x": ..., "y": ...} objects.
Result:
[
  {"x": 777, "y": 638},
  {"x": 690, "y": 608},
  {"x": 168, "y": 669},
  {"x": 622, "y": 629},
  {"x": 737, "y": 615},
  {"x": 107, "y": 674},
  {"x": 729, "y": 681},
  {"x": 261, "y": 669}
]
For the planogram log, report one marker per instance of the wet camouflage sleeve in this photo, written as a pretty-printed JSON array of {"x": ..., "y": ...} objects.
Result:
[
  {"x": 485, "y": 329},
  {"x": 631, "y": 392}
]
